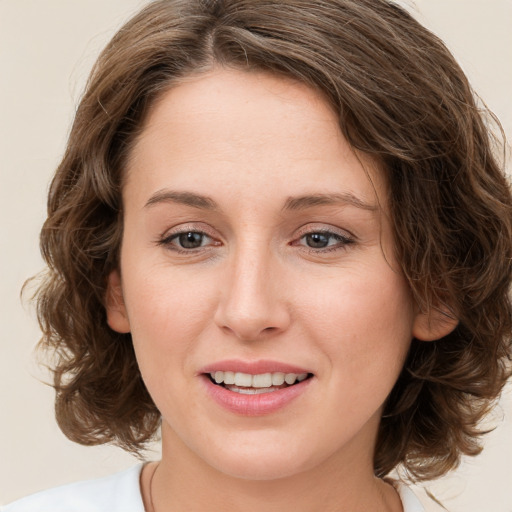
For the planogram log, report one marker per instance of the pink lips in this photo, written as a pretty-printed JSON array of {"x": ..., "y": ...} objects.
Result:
[
  {"x": 252, "y": 367},
  {"x": 259, "y": 404}
]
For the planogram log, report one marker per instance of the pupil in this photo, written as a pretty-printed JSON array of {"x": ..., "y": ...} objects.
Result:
[
  {"x": 317, "y": 240},
  {"x": 191, "y": 240}
]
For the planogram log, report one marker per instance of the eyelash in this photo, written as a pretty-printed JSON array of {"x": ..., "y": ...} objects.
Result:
[
  {"x": 167, "y": 241},
  {"x": 342, "y": 241}
]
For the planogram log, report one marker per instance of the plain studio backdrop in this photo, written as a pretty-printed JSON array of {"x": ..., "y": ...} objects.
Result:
[{"x": 47, "y": 48}]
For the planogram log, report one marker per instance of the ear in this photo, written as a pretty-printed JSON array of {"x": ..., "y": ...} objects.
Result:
[
  {"x": 434, "y": 324},
  {"x": 117, "y": 318}
]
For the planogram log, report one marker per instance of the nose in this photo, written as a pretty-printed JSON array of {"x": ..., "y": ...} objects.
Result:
[{"x": 252, "y": 304}]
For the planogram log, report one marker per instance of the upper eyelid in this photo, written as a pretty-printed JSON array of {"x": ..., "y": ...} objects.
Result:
[
  {"x": 305, "y": 229},
  {"x": 193, "y": 227},
  {"x": 172, "y": 236},
  {"x": 328, "y": 234},
  {"x": 325, "y": 229},
  {"x": 343, "y": 239}
]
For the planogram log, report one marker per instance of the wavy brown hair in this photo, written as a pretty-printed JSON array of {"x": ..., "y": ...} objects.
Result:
[{"x": 401, "y": 98}]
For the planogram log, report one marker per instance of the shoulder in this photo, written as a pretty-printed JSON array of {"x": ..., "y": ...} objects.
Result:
[{"x": 115, "y": 493}]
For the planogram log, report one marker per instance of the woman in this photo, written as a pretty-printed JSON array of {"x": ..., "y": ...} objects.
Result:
[{"x": 281, "y": 234}]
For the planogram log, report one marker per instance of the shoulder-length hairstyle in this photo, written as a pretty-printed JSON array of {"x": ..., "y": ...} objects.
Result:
[{"x": 401, "y": 98}]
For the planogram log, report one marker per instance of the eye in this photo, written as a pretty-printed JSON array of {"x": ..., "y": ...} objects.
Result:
[
  {"x": 190, "y": 240},
  {"x": 319, "y": 240},
  {"x": 187, "y": 240},
  {"x": 328, "y": 240}
]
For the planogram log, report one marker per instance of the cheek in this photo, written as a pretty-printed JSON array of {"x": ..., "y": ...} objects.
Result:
[
  {"x": 167, "y": 312},
  {"x": 364, "y": 324}
]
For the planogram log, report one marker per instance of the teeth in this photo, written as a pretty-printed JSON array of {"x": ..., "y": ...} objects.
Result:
[
  {"x": 290, "y": 378},
  {"x": 277, "y": 379},
  {"x": 261, "y": 380},
  {"x": 252, "y": 391},
  {"x": 229, "y": 377},
  {"x": 243, "y": 380}
]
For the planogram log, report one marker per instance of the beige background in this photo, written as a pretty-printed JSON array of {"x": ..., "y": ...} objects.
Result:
[{"x": 46, "y": 50}]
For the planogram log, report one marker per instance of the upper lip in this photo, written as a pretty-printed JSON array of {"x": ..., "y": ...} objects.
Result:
[{"x": 252, "y": 367}]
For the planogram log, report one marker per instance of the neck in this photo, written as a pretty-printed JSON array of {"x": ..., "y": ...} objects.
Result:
[{"x": 181, "y": 481}]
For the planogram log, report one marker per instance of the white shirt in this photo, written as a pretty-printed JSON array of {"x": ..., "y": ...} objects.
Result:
[{"x": 121, "y": 493}]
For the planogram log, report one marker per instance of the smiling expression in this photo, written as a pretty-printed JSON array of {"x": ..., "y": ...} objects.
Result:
[{"x": 257, "y": 242}]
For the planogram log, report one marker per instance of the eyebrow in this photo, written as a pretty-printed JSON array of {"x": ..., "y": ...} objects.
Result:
[
  {"x": 292, "y": 203},
  {"x": 185, "y": 198},
  {"x": 309, "y": 201}
]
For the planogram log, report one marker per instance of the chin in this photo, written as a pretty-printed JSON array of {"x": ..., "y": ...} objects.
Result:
[
  {"x": 259, "y": 470},
  {"x": 268, "y": 461}
]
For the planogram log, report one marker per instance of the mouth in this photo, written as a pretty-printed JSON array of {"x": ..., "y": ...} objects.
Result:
[
  {"x": 249, "y": 384},
  {"x": 255, "y": 388}
]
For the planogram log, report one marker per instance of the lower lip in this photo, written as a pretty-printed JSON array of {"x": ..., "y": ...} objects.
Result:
[{"x": 255, "y": 405}]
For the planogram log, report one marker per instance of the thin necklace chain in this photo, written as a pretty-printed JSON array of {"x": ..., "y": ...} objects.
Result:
[{"x": 152, "y": 507}]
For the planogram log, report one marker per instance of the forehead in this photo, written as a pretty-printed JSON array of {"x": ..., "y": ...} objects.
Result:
[
  {"x": 240, "y": 104},
  {"x": 230, "y": 128}
]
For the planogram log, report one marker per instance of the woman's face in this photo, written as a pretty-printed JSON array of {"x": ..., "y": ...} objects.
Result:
[{"x": 257, "y": 242}]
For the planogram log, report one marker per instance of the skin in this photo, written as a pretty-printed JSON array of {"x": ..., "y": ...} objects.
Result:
[{"x": 254, "y": 289}]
